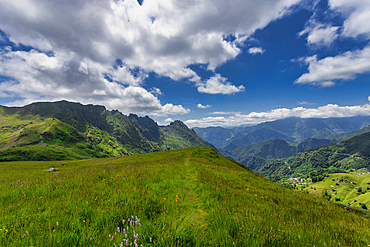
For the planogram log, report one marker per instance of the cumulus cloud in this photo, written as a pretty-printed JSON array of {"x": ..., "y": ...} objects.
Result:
[
  {"x": 36, "y": 76},
  {"x": 319, "y": 34},
  {"x": 87, "y": 39},
  {"x": 357, "y": 16},
  {"x": 170, "y": 109},
  {"x": 346, "y": 66},
  {"x": 156, "y": 91},
  {"x": 218, "y": 85},
  {"x": 200, "y": 106},
  {"x": 330, "y": 110},
  {"x": 168, "y": 120},
  {"x": 256, "y": 50}
]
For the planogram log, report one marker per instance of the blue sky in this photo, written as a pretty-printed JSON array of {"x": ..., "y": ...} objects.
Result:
[{"x": 207, "y": 63}]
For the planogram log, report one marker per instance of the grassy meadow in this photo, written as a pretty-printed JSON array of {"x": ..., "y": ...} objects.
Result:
[
  {"x": 187, "y": 197},
  {"x": 351, "y": 189}
]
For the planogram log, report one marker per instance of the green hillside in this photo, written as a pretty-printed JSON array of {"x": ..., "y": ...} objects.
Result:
[
  {"x": 349, "y": 189},
  {"x": 65, "y": 130},
  {"x": 256, "y": 155},
  {"x": 353, "y": 153},
  {"x": 186, "y": 197}
]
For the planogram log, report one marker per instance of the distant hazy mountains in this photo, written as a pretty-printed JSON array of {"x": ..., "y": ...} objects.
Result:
[
  {"x": 257, "y": 145},
  {"x": 290, "y": 129},
  {"x": 66, "y": 130}
]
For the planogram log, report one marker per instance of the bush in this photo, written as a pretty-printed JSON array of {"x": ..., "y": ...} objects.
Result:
[{"x": 363, "y": 205}]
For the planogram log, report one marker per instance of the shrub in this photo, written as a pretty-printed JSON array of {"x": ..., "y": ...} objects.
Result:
[{"x": 363, "y": 205}]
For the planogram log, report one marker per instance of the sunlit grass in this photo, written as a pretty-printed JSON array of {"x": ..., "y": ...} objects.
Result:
[{"x": 189, "y": 197}]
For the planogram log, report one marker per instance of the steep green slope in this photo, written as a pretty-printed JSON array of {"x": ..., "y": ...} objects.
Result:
[
  {"x": 52, "y": 139},
  {"x": 178, "y": 135},
  {"x": 67, "y": 130},
  {"x": 120, "y": 127},
  {"x": 147, "y": 127},
  {"x": 187, "y": 197},
  {"x": 256, "y": 155},
  {"x": 353, "y": 153}
]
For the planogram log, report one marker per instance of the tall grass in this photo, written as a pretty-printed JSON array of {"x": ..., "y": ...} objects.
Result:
[{"x": 189, "y": 197}]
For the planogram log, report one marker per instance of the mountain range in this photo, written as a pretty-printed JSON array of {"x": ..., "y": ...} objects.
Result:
[
  {"x": 67, "y": 130},
  {"x": 282, "y": 138},
  {"x": 290, "y": 130}
]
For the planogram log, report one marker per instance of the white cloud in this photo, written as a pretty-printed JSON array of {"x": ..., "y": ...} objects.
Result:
[
  {"x": 200, "y": 106},
  {"x": 156, "y": 91},
  {"x": 36, "y": 76},
  {"x": 330, "y": 110},
  {"x": 346, "y": 66},
  {"x": 170, "y": 109},
  {"x": 225, "y": 113},
  {"x": 218, "y": 85},
  {"x": 357, "y": 16},
  {"x": 168, "y": 120},
  {"x": 256, "y": 50},
  {"x": 123, "y": 75},
  {"x": 88, "y": 37},
  {"x": 319, "y": 34},
  {"x": 305, "y": 103}
]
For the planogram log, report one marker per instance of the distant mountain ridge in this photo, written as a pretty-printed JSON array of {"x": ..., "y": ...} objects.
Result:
[
  {"x": 290, "y": 130},
  {"x": 67, "y": 130},
  {"x": 275, "y": 140},
  {"x": 256, "y": 155}
]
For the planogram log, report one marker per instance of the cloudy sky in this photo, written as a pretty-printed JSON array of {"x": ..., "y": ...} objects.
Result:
[{"x": 205, "y": 62}]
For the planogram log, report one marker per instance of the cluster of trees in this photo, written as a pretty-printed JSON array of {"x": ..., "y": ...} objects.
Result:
[{"x": 318, "y": 175}]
